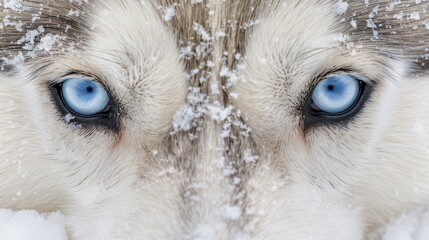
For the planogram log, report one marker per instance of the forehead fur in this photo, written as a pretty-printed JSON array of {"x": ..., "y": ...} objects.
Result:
[{"x": 393, "y": 28}]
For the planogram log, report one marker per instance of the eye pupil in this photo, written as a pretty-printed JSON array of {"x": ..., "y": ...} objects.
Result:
[
  {"x": 330, "y": 87},
  {"x": 89, "y": 89}
]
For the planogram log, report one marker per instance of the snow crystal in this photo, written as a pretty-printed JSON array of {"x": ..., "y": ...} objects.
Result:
[
  {"x": 233, "y": 95},
  {"x": 231, "y": 212},
  {"x": 34, "y": 41},
  {"x": 249, "y": 158},
  {"x": 29, "y": 38},
  {"x": 35, "y": 18},
  {"x": 201, "y": 31},
  {"x": 220, "y": 34},
  {"x": 399, "y": 15},
  {"x": 210, "y": 64},
  {"x": 340, "y": 37},
  {"x": 68, "y": 117},
  {"x": 228, "y": 170},
  {"x": 392, "y": 6},
  {"x": 374, "y": 11},
  {"x": 250, "y": 23},
  {"x": 230, "y": 74},
  {"x": 15, "y": 5},
  {"x": 186, "y": 53},
  {"x": 353, "y": 23},
  {"x": 195, "y": 71},
  {"x": 26, "y": 224},
  {"x": 73, "y": 125},
  {"x": 188, "y": 115},
  {"x": 169, "y": 13},
  {"x": 214, "y": 89},
  {"x": 340, "y": 7},
  {"x": 13, "y": 61},
  {"x": 196, "y": 1},
  {"x": 73, "y": 13},
  {"x": 370, "y": 23},
  {"x": 47, "y": 42},
  {"x": 219, "y": 113},
  {"x": 414, "y": 16},
  {"x": 18, "y": 26}
]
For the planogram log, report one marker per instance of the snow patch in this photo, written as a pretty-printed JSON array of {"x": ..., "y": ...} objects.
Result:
[
  {"x": 414, "y": 16},
  {"x": 13, "y": 61},
  {"x": 47, "y": 42},
  {"x": 73, "y": 13},
  {"x": 188, "y": 115},
  {"x": 231, "y": 212},
  {"x": 220, "y": 34},
  {"x": 219, "y": 113},
  {"x": 231, "y": 75},
  {"x": 201, "y": 31},
  {"x": 340, "y": 7},
  {"x": 410, "y": 226},
  {"x": 353, "y": 23},
  {"x": 27, "y": 224},
  {"x": 340, "y": 38},
  {"x": 15, "y": 5},
  {"x": 169, "y": 13},
  {"x": 29, "y": 38},
  {"x": 248, "y": 157},
  {"x": 196, "y": 1}
]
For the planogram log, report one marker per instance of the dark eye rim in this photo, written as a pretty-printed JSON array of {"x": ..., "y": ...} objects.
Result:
[
  {"x": 313, "y": 116},
  {"x": 105, "y": 119}
]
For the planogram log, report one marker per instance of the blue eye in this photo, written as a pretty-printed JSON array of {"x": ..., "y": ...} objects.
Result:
[
  {"x": 84, "y": 97},
  {"x": 336, "y": 94}
]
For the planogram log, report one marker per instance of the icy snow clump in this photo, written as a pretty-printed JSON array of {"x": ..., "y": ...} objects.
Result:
[{"x": 30, "y": 225}]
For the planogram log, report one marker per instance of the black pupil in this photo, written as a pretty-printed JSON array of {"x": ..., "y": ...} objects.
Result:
[
  {"x": 89, "y": 89},
  {"x": 330, "y": 87}
]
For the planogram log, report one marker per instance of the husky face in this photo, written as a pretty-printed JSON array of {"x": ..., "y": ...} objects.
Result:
[{"x": 212, "y": 130}]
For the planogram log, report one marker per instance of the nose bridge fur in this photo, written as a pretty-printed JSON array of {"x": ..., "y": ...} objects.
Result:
[{"x": 209, "y": 33}]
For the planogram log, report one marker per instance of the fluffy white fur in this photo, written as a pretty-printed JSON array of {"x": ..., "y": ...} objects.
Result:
[{"x": 142, "y": 182}]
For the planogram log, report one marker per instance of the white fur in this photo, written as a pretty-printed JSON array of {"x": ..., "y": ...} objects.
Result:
[{"x": 331, "y": 182}]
